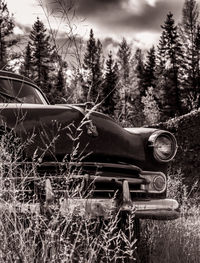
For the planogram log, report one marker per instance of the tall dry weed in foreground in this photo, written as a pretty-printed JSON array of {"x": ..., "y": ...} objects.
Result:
[
  {"x": 175, "y": 241},
  {"x": 45, "y": 234}
]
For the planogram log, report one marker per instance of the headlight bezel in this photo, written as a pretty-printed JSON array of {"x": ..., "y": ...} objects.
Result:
[{"x": 153, "y": 143}]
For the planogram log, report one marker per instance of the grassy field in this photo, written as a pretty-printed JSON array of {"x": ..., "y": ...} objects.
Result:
[{"x": 176, "y": 241}]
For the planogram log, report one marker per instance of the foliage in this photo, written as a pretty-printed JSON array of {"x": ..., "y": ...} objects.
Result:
[
  {"x": 186, "y": 129},
  {"x": 151, "y": 110},
  {"x": 110, "y": 87},
  {"x": 139, "y": 71},
  {"x": 41, "y": 55},
  {"x": 190, "y": 42},
  {"x": 27, "y": 67},
  {"x": 169, "y": 62},
  {"x": 58, "y": 92},
  {"x": 150, "y": 69},
  {"x": 6, "y": 30},
  {"x": 92, "y": 63},
  {"x": 134, "y": 105},
  {"x": 124, "y": 56},
  {"x": 42, "y": 64}
]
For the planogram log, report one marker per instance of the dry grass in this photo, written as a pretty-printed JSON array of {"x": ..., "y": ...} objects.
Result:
[
  {"x": 176, "y": 241},
  {"x": 48, "y": 235},
  {"x": 28, "y": 238}
]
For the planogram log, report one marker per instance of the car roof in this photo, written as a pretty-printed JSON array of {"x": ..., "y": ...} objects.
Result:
[{"x": 11, "y": 75}]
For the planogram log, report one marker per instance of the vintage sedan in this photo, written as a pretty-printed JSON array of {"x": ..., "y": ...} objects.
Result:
[{"x": 79, "y": 159}]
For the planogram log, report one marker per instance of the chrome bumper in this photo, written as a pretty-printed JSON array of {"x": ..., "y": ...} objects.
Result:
[{"x": 160, "y": 209}]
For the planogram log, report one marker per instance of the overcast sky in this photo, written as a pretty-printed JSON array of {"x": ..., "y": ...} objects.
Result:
[{"x": 137, "y": 20}]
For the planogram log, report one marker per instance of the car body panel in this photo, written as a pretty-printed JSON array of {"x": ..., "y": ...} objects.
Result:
[{"x": 28, "y": 119}]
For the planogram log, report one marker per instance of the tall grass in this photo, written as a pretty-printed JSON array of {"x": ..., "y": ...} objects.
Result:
[
  {"x": 36, "y": 238},
  {"x": 176, "y": 241},
  {"x": 46, "y": 234}
]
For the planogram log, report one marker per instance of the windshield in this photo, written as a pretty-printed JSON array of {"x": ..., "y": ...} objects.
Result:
[{"x": 19, "y": 91}]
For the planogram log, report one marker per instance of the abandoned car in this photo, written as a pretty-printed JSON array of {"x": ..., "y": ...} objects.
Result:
[{"x": 79, "y": 159}]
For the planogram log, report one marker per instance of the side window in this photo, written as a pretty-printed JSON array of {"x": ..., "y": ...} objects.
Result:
[{"x": 19, "y": 91}]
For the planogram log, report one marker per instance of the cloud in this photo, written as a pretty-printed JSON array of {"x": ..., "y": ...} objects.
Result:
[
  {"x": 152, "y": 2},
  {"x": 145, "y": 40},
  {"x": 132, "y": 19},
  {"x": 25, "y": 11},
  {"x": 117, "y": 16},
  {"x": 18, "y": 31}
]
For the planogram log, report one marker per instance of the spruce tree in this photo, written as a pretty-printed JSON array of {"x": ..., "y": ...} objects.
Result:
[
  {"x": 169, "y": 63},
  {"x": 124, "y": 57},
  {"x": 196, "y": 102},
  {"x": 92, "y": 64},
  {"x": 150, "y": 69},
  {"x": 26, "y": 67},
  {"x": 41, "y": 54},
  {"x": 60, "y": 83},
  {"x": 139, "y": 70},
  {"x": 190, "y": 15},
  {"x": 110, "y": 91},
  {"x": 6, "y": 29},
  {"x": 137, "y": 89},
  {"x": 57, "y": 93},
  {"x": 189, "y": 35}
]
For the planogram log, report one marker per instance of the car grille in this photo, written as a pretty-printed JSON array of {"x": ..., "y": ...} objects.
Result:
[{"x": 96, "y": 180}]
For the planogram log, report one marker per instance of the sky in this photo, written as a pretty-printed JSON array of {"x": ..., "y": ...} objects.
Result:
[{"x": 138, "y": 21}]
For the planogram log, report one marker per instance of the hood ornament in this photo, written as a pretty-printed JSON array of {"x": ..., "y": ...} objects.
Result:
[{"x": 86, "y": 109}]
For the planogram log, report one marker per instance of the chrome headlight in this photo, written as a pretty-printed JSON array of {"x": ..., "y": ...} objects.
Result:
[{"x": 164, "y": 146}]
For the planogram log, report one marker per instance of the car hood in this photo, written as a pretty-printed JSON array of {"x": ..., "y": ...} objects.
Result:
[{"x": 59, "y": 131}]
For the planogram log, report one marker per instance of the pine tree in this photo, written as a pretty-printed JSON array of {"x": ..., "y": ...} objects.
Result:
[
  {"x": 137, "y": 89},
  {"x": 41, "y": 54},
  {"x": 189, "y": 35},
  {"x": 150, "y": 69},
  {"x": 169, "y": 62},
  {"x": 196, "y": 102},
  {"x": 139, "y": 72},
  {"x": 60, "y": 83},
  {"x": 110, "y": 92},
  {"x": 6, "y": 29},
  {"x": 58, "y": 90},
  {"x": 190, "y": 14},
  {"x": 124, "y": 56},
  {"x": 26, "y": 67},
  {"x": 92, "y": 64}
]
